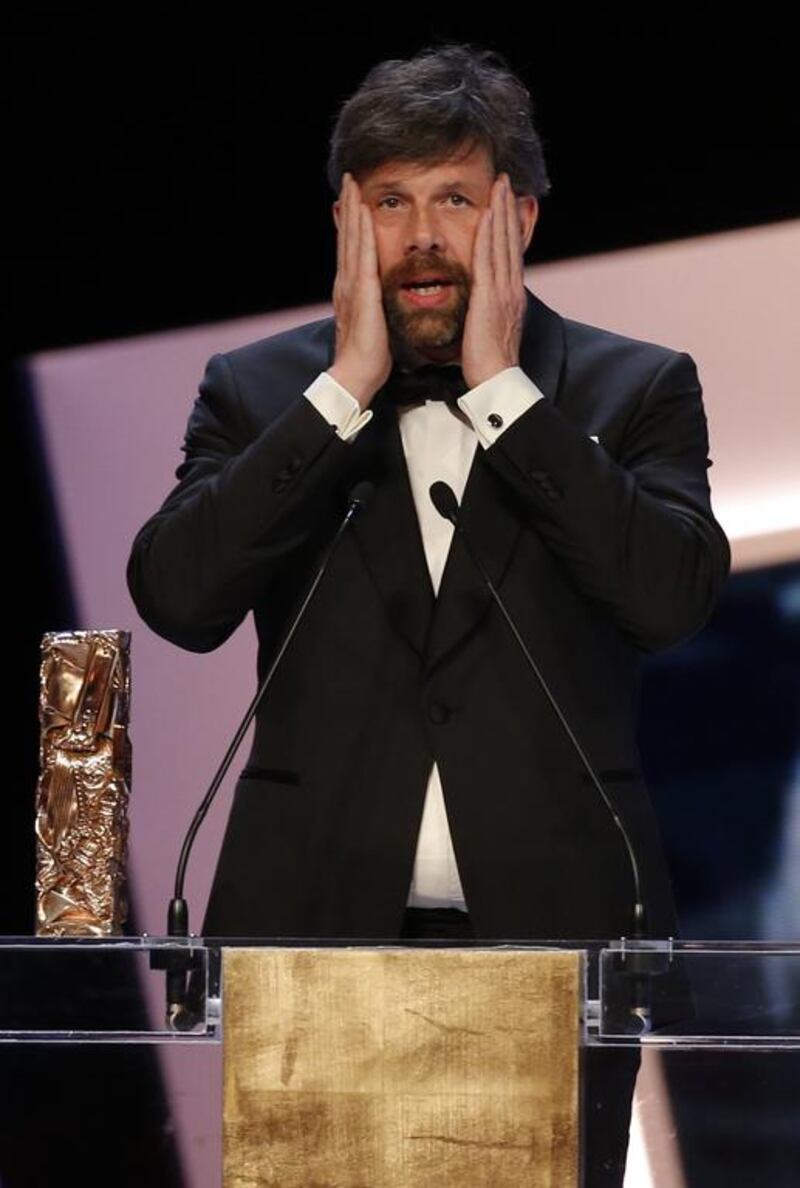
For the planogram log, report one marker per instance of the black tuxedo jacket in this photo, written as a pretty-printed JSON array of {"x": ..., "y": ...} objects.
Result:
[{"x": 602, "y": 550}]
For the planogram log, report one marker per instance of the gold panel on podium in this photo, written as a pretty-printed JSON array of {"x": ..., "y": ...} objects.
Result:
[{"x": 398, "y": 1068}]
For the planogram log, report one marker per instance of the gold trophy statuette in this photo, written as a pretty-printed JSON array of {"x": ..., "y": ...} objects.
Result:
[{"x": 84, "y": 783}]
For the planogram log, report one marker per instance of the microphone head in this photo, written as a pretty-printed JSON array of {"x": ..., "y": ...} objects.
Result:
[
  {"x": 361, "y": 494},
  {"x": 444, "y": 500}
]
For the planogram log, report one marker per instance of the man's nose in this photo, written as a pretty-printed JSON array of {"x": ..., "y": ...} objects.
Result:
[{"x": 424, "y": 232}]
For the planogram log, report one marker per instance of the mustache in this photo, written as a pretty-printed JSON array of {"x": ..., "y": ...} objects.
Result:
[{"x": 410, "y": 270}]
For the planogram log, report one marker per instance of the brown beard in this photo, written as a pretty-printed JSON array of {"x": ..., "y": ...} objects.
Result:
[{"x": 424, "y": 330}]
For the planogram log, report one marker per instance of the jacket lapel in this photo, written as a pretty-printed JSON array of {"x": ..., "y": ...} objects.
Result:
[{"x": 489, "y": 514}]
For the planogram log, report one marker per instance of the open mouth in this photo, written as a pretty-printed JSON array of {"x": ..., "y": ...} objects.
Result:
[{"x": 428, "y": 286}]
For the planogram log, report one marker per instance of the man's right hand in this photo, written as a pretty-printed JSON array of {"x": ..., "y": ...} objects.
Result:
[{"x": 363, "y": 359}]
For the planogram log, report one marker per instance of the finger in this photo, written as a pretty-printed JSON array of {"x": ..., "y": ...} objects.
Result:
[
  {"x": 369, "y": 251},
  {"x": 481, "y": 250},
  {"x": 515, "y": 269},
  {"x": 344, "y": 209},
  {"x": 340, "y": 226},
  {"x": 500, "y": 234},
  {"x": 353, "y": 224}
]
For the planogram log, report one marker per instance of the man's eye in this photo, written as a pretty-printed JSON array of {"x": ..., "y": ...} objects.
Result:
[
  {"x": 459, "y": 199},
  {"x": 388, "y": 201}
]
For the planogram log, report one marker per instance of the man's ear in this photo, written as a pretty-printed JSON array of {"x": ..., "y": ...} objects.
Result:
[
  {"x": 335, "y": 209},
  {"x": 528, "y": 211}
]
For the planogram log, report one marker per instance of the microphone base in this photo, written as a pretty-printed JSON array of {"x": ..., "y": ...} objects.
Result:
[{"x": 185, "y": 990}]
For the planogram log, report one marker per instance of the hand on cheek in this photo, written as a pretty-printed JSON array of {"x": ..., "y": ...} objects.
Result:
[
  {"x": 493, "y": 326},
  {"x": 362, "y": 359}
]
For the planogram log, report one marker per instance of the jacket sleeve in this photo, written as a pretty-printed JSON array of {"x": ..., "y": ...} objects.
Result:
[
  {"x": 244, "y": 501},
  {"x": 635, "y": 532}
]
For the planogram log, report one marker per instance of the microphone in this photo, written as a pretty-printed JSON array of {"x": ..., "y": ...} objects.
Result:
[
  {"x": 444, "y": 500},
  {"x": 178, "y": 965}
]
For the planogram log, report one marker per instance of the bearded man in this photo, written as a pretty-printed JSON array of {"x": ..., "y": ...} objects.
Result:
[{"x": 408, "y": 775}]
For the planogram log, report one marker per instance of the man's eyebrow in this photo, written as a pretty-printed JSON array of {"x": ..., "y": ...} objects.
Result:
[
  {"x": 398, "y": 187},
  {"x": 382, "y": 187}
]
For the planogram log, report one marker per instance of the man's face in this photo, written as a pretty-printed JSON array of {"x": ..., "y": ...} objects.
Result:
[{"x": 425, "y": 219}]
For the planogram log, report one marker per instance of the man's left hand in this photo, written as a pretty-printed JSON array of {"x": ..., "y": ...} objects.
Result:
[{"x": 493, "y": 326}]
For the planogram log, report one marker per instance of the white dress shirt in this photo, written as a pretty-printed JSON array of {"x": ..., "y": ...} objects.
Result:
[{"x": 439, "y": 442}]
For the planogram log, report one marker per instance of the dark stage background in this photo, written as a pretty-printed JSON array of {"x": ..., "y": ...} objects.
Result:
[{"x": 165, "y": 167}]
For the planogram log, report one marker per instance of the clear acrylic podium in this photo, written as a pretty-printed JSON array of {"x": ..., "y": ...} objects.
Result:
[{"x": 717, "y": 1025}]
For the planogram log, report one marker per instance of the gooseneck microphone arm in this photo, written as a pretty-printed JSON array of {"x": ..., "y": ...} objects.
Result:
[
  {"x": 446, "y": 504},
  {"x": 178, "y": 911}
]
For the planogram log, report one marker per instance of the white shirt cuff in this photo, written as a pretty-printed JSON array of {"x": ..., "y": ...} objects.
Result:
[
  {"x": 337, "y": 406},
  {"x": 498, "y": 402}
]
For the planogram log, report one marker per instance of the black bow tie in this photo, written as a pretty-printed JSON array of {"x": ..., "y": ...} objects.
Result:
[{"x": 432, "y": 381}]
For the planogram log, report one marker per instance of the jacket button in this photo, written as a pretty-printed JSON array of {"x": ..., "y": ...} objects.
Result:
[
  {"x": 439, "y": 713},
  {"x": 545, "y": 486},
  {"x": 280, "y": 484},
  {"x": 295, "y": 466}
]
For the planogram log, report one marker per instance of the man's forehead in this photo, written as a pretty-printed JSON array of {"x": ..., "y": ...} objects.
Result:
[{"x": 475, "y": 165}]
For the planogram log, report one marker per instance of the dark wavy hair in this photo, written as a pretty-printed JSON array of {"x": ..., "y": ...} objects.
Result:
[{"x": 423, "y": 108}]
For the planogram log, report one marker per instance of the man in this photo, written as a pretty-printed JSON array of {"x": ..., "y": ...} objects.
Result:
[{"x": 408, "y": 775}]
